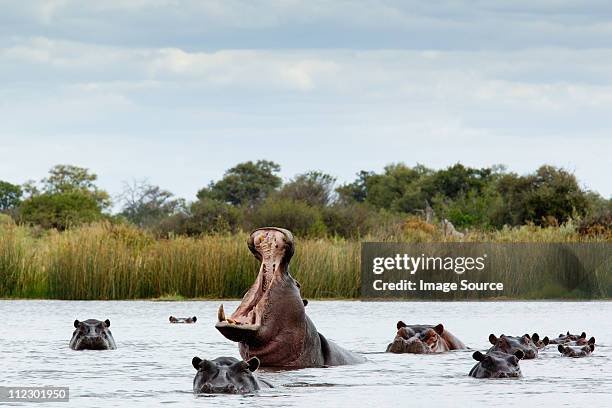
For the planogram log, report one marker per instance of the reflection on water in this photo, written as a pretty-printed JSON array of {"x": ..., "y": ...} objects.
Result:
[{"x": 152, "y": 363}]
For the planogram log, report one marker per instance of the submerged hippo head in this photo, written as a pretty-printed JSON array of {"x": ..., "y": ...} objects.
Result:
[
  {"x": 183, "y": 319},
  {"x": 92, "y": 334},
  {"x": 540, "y": 343},
  {"x": 510, "y": 344},
  {"x": 226, "y": 375},
  {"x": 497, "y": 364},
  {"x": 577, "y": 351},
  {"x": 568, "y": 337},
  {"x": 581, "y": 341},
  {"x": 418, "y": 339},
  {"x": 273, "y": 302}
]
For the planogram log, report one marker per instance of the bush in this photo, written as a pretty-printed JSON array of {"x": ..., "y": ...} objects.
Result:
[
  {"x": 348, "y": 221},
  {"x": 302, "y": 219},
  {"x": 60, "y": 210}
]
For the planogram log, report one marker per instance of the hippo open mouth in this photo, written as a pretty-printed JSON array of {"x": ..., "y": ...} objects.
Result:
[{"x": 273, "y": 247}]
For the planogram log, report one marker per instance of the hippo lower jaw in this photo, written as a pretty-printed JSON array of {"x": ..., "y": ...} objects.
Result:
[{"x": 238, "y": 333}]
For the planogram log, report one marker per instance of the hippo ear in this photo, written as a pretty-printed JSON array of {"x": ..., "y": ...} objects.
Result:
[
  {"x": 592, "y": 347},
  {"x": 253, "y": 363},
  {"x": 583, "y": 335},
  {"x": 535, "y": 337},
  {"x": 546, "y": 340},
  {"x": 519, "y": 354},
  {"x": 527, "y": 335},
  {"x": 439, "y": 328},
  {"x": 170, "y": 318},
  {"x": 492, "y": 339},
  {"x": 76, "y": 323},
  {"x": 561, "y": 348},
  {"x": 401, "y": 324},
  {"x": 195, "y": 319},
  {"x": 591, "y": 340},
  {"x": 305, "y": 301},
  {"x": 107, "y": 323},
  {"x": 567, "y": 333},
  {"x": 195, "y": 362},
  {"x": 478, "y": 356}
]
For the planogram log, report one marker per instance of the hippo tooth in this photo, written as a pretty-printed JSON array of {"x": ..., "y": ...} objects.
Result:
[{"x": 221, "y": 313}]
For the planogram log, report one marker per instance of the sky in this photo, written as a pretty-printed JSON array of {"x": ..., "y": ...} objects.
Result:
[{"x": 176, "y": 92}]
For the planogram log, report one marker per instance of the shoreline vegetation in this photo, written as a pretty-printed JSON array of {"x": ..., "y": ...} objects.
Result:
[
  {"x": 106, "y": 261},
  {"x": 63, "y": 237}
]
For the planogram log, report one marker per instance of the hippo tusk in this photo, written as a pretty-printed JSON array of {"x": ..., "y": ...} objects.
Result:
[{"x": 221, "y": 313}]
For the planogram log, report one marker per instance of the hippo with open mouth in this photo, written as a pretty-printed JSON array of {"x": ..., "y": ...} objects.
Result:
[
  {"x": 271, "y": 323},
  {"x": 187, "y": 320},
  {"x": 92, "y": 334},
  {"x": 510, "y": 344},
  {"x": 497, "y": 364},
  {"x": 226, "y": 375},
  {"x": 423, "y": 339}
]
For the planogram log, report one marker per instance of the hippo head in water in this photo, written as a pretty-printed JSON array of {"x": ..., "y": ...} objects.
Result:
[
  {"x": 183, "y": 319},
  {"x": 510, "y": 344},
  {"x": 497, "y": 364},
  {"x": 92, "y": 334},
  {"x": 423, "y": 339},
  {"x": 568, "y": 338},
  {"x": 226, "y": 375},
  {"x": 540, "y": 343},
  {"x": 579, "y": 351},
  {"x": 270, "y": 322}
]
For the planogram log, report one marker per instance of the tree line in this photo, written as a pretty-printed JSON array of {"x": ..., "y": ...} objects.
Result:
[{"x": 313, "y": 204}]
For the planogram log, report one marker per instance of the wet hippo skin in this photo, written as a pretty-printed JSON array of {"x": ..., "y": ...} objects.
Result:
[
  {"x": 271, "y": 322},
  {"x": 540, "y": 343},
  {"x": 92, "y": 334},
  {"x": 568, "y": 338},
  {"x": 423, "y": 339},
  {"x": 226, "y": 375},
  {"x": 579, "y": 350},
  {"x": 187, "y": 320},
  {"x": 510, "y": 344},
  {"x": 497, "y": 364}
]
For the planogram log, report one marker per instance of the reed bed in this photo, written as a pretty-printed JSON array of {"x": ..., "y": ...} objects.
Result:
[{"x": 109, "y": 261}]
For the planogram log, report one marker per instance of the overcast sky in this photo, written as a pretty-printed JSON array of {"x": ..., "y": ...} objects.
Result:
[{"x": 179, "y": 91}]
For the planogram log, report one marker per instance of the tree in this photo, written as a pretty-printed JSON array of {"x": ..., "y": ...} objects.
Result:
[
  {"x": 10, "y": 196},
  {"x": 245, "y": 184},
  {"x": 398, "y": 188},
  {"x": 67, "y": 178},
  {"x": 145, "y": 205},
  {"x": 60, "y": 210},
  {"x": 356, "y": 191},
  {"x": 314, "y": 188},
  {"x": 549, "y": 193},
  {"x": 67, "y": 197}
]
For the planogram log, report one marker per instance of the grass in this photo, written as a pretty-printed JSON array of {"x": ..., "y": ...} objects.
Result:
[{"x": 106, "y": 261}]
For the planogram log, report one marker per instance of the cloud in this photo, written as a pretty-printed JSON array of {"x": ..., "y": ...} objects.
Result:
[
  {"x": 181, "y": 90},
  {"x": 225, "y": 24}
]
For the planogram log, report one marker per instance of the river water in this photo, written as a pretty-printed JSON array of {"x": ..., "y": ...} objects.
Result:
[{"x": 152, "y": 363}]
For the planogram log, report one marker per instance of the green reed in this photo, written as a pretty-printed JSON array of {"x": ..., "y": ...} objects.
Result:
[{"x": 107, "y": 261}]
